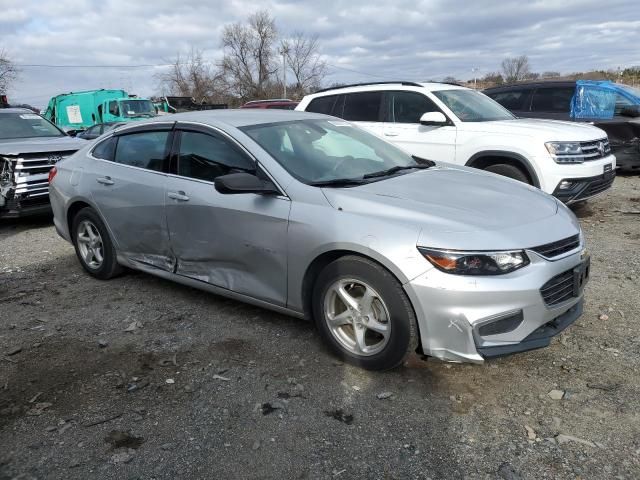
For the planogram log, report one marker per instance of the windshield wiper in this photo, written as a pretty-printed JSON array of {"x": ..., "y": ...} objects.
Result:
[
  {"x": 338, "y": 182},
  {"x": 398, "y": 168}
]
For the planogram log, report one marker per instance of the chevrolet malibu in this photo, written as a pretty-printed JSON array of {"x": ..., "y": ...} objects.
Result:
[{"x": 310, "y": 216}]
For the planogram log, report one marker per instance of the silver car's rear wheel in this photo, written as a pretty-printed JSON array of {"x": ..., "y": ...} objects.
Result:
[
  {"x": 90, "y": 244},
  {"x": 357, "y": 317}
]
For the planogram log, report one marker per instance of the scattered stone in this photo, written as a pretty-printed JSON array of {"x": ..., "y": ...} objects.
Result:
[
  {"x": 170, "y": 381},
  {"x": 384, "y": 395},
  {"x": 356, "y": 388},
  {"x": 123, "y": 439},
  {"x": 35, "y": 397},
  {"x": 506, "y": 471},
  {"x": 603, "y": 316},
  {"x": 103, "y": 343},
  {"x": 64, "y": 428},
  {"x": 220, "y": 377},
  {"x": 14, "y": 351},
  {"x": 562, "y": 438},
  {"x": 38, "y": 409},
  {"x": 133, "y": 326},
  {"x": 123, "y": 457},
  {"x": 167, "y": 446},
  {"x": 339, "y": 415},
  {"x": 531, "y": 433},
  {"x": 256, "y": 445},
  {"x": 51, "y": 428},
  {"x": 556, "y": 394}
]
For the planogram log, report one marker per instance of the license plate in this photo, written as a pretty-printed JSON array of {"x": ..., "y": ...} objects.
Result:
[
  {"x": 608, "y": 168},
  {"x": 581, "y": 276}
]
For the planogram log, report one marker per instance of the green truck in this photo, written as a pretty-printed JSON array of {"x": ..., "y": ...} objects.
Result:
[{"x": 77, "y": 111}]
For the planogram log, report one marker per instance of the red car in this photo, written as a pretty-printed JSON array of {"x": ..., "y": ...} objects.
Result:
[{"x": 279, "y": 103}]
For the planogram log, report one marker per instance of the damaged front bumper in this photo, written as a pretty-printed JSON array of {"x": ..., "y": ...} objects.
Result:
[
  {"x": 470, "y": 319},
  {"x": 24, "y": 184},
  {"x": 627, "y": 154}
]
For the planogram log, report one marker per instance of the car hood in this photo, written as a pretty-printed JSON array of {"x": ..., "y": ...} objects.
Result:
[
  {"x": 13, "y": 146},
  {"x": 549, "y": 130},
  {"x": 447, "y": 203}
]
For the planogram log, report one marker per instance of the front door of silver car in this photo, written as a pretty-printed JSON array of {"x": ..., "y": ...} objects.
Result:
[
  {"x": 237, "y": 242},
  {"x": 128, "y": 187}
]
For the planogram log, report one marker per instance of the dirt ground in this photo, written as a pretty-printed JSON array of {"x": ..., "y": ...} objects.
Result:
[{"x": 140, "y": 378}]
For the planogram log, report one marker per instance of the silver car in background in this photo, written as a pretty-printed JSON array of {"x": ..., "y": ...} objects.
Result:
[{"x": 310, "y": 216}]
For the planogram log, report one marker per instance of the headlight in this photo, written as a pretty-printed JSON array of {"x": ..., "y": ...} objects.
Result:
[
  {"x": 565, "y": 152},
  {"x": 475, "y": 263}
]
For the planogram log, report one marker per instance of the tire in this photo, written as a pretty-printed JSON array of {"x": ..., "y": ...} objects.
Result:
[
  {"x": 86, "y": 227},
  {"x": 509, "y": 171},
  {"x": 388, "y": 311}
]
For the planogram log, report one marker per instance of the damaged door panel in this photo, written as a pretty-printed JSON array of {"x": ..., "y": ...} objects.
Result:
[{"x": 237, "y": 242}]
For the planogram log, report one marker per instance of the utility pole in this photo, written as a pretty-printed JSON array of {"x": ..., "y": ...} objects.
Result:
[
  {"x": 284, "y": 72},
  {"x": 474, "y": 70}
]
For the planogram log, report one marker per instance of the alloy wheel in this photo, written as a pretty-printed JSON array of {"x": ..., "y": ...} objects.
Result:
[{"x": 90, "y": 244}]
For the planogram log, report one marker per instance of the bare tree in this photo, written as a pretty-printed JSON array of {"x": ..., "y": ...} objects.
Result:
[
  {"x": 249, "y": 58},
  {"x": 8, "y": 71},
  {"x": 302, "y": 54},
  {"x": 493, "y": 78},
  {"x": 515, "y": 69},
  {"x": 193, "y": 76}
]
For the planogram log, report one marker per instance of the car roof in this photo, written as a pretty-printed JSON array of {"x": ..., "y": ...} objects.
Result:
[
  {"x": 16, "y": 110},
  {"x": 232, "y": 117},
  {"x": 413, "y": 86},
  {"x": 543, "y": 83}
]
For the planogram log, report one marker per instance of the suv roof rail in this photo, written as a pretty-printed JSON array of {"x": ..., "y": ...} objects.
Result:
[
  {"x": 407, "y": 84},
  {"x": 270, "y": 100}
]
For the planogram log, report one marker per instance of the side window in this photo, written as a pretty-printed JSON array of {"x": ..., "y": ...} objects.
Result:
[
  {"x": 552, "y": 100},
  {"x": 113, "y": 108},
  {"x": 206, "y": 156},
  {"x": 362, "y": 107},
  {"x": 143, "y": 150},
  {"x": 512, "y": 100},
  {"x": 322, "y": 104},
  {"x": 106, "y": 150},
  {"x": 408, "y": 107},
  {"x": 621, "y": 102}
]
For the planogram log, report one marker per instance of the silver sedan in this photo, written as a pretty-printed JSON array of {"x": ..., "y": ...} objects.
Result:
[{"x": 310, "y": 216}]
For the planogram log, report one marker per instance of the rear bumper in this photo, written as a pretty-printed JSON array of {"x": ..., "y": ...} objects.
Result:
[{"x": 579, "y": 189}]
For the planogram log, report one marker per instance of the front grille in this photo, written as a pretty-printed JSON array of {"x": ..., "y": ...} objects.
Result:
[
  {"x": 31, "y": 172},
  {"x": 596, "y": 149},
  {"x": 559, "y": 289},
  {"x": 554, "y": 249}
]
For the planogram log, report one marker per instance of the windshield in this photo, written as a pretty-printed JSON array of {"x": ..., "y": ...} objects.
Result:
[
  {"x": 137, "y": 108},
  {"x": 472, "y": 106},
  {"x": 631, "y": 90},
  {"x": 329, "y": 150},
  {"x": 26, "y": 125}
]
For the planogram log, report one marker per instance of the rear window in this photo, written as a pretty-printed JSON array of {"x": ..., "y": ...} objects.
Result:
[
  {"x": 362, "y": 107},
  {"x": 552, "y": 100},
  {"x": 513, "y": 99},
  {"x": 26, "y": 125},
  {"x": 105, "y": 150},
  {"x": 322, "y": 104},
  {"x": 143, "y": 150}
]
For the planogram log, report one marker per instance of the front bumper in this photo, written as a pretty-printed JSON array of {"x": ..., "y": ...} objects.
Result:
[
  {"x": 572, "y": 190},
  {"x": 551, "y": 174},
  {"x": 627, "y": 155},
  {"x": 452, "y": 310},
  {"x": 22, "y": 207}
]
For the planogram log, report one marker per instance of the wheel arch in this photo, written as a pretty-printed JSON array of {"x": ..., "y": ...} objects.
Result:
[{"x": 486, "y": 158}]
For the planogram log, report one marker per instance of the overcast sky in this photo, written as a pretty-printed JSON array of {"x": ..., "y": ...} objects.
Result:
[{"x": 361, "y": 40}]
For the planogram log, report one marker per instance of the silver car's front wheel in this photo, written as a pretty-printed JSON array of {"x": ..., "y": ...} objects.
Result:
[
  {"x": 90, "y": 244},
  {"x": 363, "y": 313},
  {"x": 357, "y": 317}
]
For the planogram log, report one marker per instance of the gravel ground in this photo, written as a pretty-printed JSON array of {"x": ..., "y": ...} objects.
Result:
[{"x": 138, "y": 377}]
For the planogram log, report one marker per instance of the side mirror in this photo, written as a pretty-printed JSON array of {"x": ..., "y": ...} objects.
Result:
[
  {"x": 433, "y": 118},
  {"x": 244, "y": 183},
  {"x": 631, "y": 111}
]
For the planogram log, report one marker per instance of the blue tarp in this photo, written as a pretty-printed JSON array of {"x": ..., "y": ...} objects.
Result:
[{"x": 594, "y": 100}]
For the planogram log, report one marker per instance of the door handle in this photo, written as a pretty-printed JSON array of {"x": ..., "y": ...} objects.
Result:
[
  {"x": 180, "y": 196},
  {"x": 390, "y": 134},
  {"x": 105, "y": 180}
]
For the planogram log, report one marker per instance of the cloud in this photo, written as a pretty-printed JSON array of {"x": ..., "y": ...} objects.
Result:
[{"x": 360, "y": 40}]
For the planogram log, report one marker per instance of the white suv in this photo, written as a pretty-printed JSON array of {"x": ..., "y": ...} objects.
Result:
[{"x": 459, "y": 125}]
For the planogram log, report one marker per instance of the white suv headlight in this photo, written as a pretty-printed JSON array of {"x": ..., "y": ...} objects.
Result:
[{"x": 565, "y": 152}]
